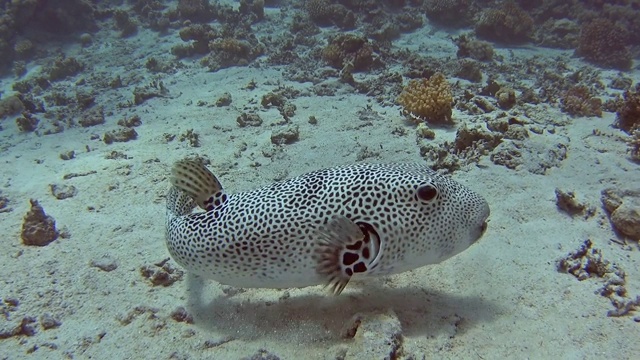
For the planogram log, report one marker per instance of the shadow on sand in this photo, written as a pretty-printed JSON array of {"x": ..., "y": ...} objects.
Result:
[{"x": 319, "y": 316}]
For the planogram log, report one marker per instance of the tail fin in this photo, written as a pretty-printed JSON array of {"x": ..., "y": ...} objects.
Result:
[{"x": 195, "y": 179}]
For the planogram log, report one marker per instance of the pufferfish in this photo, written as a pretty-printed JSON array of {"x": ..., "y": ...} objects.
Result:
[{"x": 323, "y": 227}]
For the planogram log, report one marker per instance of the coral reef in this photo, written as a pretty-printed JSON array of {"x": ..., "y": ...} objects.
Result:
[
  {"x": 63, "y": 67},
  {"x": 469, "y": 70},
  {"x": 604, "y": 43},
  {"x": 323, "y": 13},
  {"x": 628, "y": 115},
  {"x": 198, "y": 36},
  {"x": 124, "y": 23},
  {"x": 472, "y": 48},
  {"x": 27, "y": 18},
  {"x": 252, "y": 8},
  {"x": 634, "y": 145},
  {"x": 228, "y": 51},
  {"x": 507, "y": 24},
  {"x": 578, "y": 101},
  {"x": 11, "y": 105},
  {"x": 453, "y": 13},
  {"x": 428, "y": 99},
  {"x": 225, "y": 47},
  {"x": 506, "y": 98},
  {"x": 27, "y": 122},
  {"x": 24, "y": 49},
  {"x": 558, "y": 33},
  {"x": 349, "y": 50},
  {"x": 196, "y": 10}
]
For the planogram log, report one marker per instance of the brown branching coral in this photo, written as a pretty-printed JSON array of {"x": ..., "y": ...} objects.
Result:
[
  {"x": 195, "y": 10},
  {"x": 449, "y": 12},
  {"x": 198, "y": 36},
  {"x": 508, "y": 24},
  {"x": 10, "y": 105},
  {"x": 22, "y": 19},
  {"x": 349, "y": 50},
  {"x": 604, "y": 43},
  {"x": 629, "y": 113},
  {"x": 323, "y": 13},
  {"x": 578, "y": 101},
  {"x": 634, "y": 144},
  {"x": 319, "y": 10},
  {"x": 229, "y": 48},
  {"x": 472, "y": 48},
  {"x": 428, "y": 99},
  {"x": 228, "y": 51}
]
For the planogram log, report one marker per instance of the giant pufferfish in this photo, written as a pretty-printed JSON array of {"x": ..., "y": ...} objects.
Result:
[{"x": 323, "y": 227}]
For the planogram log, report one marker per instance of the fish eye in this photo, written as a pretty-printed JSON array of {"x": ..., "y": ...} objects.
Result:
[{"x": 427, "y": 192}]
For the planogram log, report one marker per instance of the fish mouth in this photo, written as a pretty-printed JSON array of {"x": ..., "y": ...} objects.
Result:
[
  {"x": 483, "y": 227},
  {"x": 484, "y": 224}
]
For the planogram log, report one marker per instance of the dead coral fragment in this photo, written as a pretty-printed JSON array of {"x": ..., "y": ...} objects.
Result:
[
  {"x": 585, "y": 262},
  {"x": 119, "y": 135},
  {"x": 567, "y": 202},
  {"x": 623, "y": 208},
  {"x": 162, "y": 273},
  {"x": 428, "y": 99},
  {"x": 588, "y": 262},
  {"x": 38, "y": 228}
]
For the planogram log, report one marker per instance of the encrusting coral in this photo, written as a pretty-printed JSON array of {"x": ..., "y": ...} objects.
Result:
[{"x": 428, "y": 99}]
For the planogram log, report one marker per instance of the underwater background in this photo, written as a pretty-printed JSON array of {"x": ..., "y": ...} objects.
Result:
[{"x": 533, "y": 104}]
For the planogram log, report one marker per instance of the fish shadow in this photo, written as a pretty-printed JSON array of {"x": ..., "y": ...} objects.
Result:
[{"x": 314, "y": 315}]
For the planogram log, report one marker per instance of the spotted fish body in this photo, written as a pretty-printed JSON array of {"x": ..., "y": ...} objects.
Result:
[{"x": 322, "y": 227}]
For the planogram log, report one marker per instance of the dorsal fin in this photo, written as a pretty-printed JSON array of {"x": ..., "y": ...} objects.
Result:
[{"x": 195, "y": 179}]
